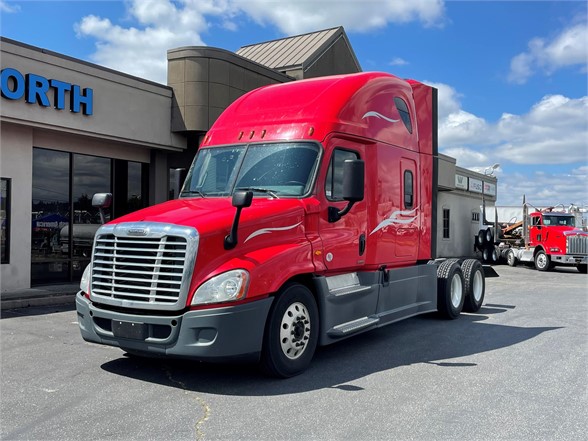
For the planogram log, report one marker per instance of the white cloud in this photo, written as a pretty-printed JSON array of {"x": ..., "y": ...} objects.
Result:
[
  {"x": 543, "y": 189},
  {"x": 468, "y": 158},
  {"x": 302, "y": 16},
  {"x": 8, "y": 8},
  {"x": 166, "y": 24},
  {"x": 398, "y": 62},
  {"x": 569, "y": 48},
  {"x": 554, "y": 131}
]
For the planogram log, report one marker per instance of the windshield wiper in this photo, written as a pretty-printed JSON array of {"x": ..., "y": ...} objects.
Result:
[
  {"x": 272, "y": 193},
  {"x": 192, "y": 192}
]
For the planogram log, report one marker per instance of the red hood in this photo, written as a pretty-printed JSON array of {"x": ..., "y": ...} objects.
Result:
[{"x": 211, "y": 214}]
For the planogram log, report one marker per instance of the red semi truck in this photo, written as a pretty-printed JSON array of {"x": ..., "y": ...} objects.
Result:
[
  {"x": 308, "y": 216},
  {"x": 550, "y": 238}
]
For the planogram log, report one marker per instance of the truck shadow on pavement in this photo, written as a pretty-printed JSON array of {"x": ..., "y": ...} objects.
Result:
[{"x": 425, "y": 339}]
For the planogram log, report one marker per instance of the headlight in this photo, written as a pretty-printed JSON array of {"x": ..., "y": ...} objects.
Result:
[
  {"x": 226, "y": 287},
  {"x": 85, "y": 282}
]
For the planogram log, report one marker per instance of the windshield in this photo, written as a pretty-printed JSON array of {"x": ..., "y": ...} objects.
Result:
[
  {"x": 276, "y": 169},
  {"x": 567, "y": 221}
]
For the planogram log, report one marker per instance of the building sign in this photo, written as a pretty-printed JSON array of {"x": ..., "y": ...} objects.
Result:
[
  {"x": 36, "y": 90},
  {"x": 475, "y": 185},
  {"x": 489, "y": 189},
  {"x": 461, "y": 182}
]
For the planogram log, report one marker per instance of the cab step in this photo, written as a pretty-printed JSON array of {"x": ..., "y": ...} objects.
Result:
[{"x": 353, "y": 326}]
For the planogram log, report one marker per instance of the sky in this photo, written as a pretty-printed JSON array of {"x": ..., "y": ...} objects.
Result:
[{"x": 512, "y": 75}]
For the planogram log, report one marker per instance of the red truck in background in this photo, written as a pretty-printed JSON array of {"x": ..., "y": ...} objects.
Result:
[
  {"x": 308, "y": 215},
  {"x": 549, "y": 238}
]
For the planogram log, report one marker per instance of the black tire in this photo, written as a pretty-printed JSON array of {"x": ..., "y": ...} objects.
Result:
[
  {"x": 583, "y": 268},
  {"x": 450, "y": 289},
  {"x": 489, "y": 236},
  {"x": 294, "y": 310},
  {"x": 481, "y": 238},
  {"x": 486, "y": 255},
  {"x": 475, "y": 285},
  {"x": 542, "y": 261},
  {"x": 511, "y": 258},
  {"x": 494, "y": 256}
]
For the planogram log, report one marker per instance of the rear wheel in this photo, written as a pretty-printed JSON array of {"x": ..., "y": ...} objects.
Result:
[
  {"x": 482, "y": 238},
  {"x": 291, "y": 333},
  {"x": 475, "y": 285},
  {"x": 542, "y": 261},
  {"x": 450, "y": 289},
  {"x": 489, "y": 236}
]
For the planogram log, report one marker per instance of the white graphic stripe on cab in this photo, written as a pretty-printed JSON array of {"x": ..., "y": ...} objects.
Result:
[
  {"x": 393, "y": 219},
  {"x": 379, "y": 115},
  {"x": 270, "y": 230}
]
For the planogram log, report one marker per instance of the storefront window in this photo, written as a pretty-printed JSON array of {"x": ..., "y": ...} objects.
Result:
[
  {"x": 135, "y": 187},
  {"x": 51, "y": 213},
  {"x": 91, "y": 175},
  {"x": 5, "y": 219},
  {"x": 63, "y": 186}
]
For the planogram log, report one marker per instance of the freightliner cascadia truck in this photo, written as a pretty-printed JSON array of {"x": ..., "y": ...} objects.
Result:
[{"x": 308, "y": 216}]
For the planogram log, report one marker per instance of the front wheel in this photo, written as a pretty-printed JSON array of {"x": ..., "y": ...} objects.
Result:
[
  {"x": 511, "y": 258},
  {"x": 291, "y": 333},
  {"x": 542, "y": 261},
  {"x": 450, "y": 289},
  {"x": 583, "y": 268}
]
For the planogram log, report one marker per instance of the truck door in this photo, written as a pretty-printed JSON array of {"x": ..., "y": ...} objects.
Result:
[
  {"x": 536, "y": 234},
  {"x": 407, "y": 240},
  {"x": 344, "y": 241}
]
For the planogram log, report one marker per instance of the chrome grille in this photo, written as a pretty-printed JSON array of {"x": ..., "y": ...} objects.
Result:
[
  {"x": 143, "y": 265},
  {"x": 577, "y": 244}
]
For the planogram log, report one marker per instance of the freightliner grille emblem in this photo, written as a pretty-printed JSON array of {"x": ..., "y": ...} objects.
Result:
[{"x": 137, "y": 232}]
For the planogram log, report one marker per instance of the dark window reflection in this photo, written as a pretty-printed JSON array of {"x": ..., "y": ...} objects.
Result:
[
  {"x": 57, "y": 257},
  {"x": 50, "y": 215},
  {"x": 5, "y": 220},
  {"x": 134, "y": 199},
  {"x": 91, "y": 175}
]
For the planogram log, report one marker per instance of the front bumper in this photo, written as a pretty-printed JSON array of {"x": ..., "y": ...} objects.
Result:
[
  {"x": 568, "y": 259},
  {"x": 231, "y": 332}
]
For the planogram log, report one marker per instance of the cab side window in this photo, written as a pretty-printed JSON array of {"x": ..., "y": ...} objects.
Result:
[
  {"x": 334, "y": 182},
  {"x": 404, "y": 113},
  {"x": 408, "y": 190}
]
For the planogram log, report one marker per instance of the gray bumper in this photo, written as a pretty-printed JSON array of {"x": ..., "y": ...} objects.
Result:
[
  {"x": 568, "y": 259},
  {"x": 209, "y": 334}
]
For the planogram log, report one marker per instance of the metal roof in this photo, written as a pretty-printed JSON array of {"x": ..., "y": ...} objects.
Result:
[{"x": 296, "y": 51}]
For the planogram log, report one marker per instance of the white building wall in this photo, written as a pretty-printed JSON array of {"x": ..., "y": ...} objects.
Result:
[
  {"x": 16, "y": 158},
  {"x": 462, "y": 228}
]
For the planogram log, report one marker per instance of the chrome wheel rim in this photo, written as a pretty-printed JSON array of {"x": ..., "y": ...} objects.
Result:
[
  {"x": 456, "y": 291},
  {"x": 541, "y": 260},
  {"x": 477, "y": 286},
  {"x": 510, "y": 257},
  {"x": 295, "y": 330}
]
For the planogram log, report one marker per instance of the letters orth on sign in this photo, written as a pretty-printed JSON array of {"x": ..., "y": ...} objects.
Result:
[{"x": 37, "y": 90}]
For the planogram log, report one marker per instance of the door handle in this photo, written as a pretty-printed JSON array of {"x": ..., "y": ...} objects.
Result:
[{"x": 362, "y": 244}]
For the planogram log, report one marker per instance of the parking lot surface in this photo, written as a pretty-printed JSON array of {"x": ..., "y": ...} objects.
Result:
[{"x": 517, "y": 369}]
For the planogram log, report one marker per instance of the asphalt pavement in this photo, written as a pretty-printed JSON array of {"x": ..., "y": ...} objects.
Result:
[{"x": 516, "y": 370}]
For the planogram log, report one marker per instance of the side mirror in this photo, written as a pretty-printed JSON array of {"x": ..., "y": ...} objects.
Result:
[
  {"x": 102, "y": 201},
  {"x": 353, "y": 187},
  {"x": 353, "y": 180},
  {"x": 241, "y": 199}
]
